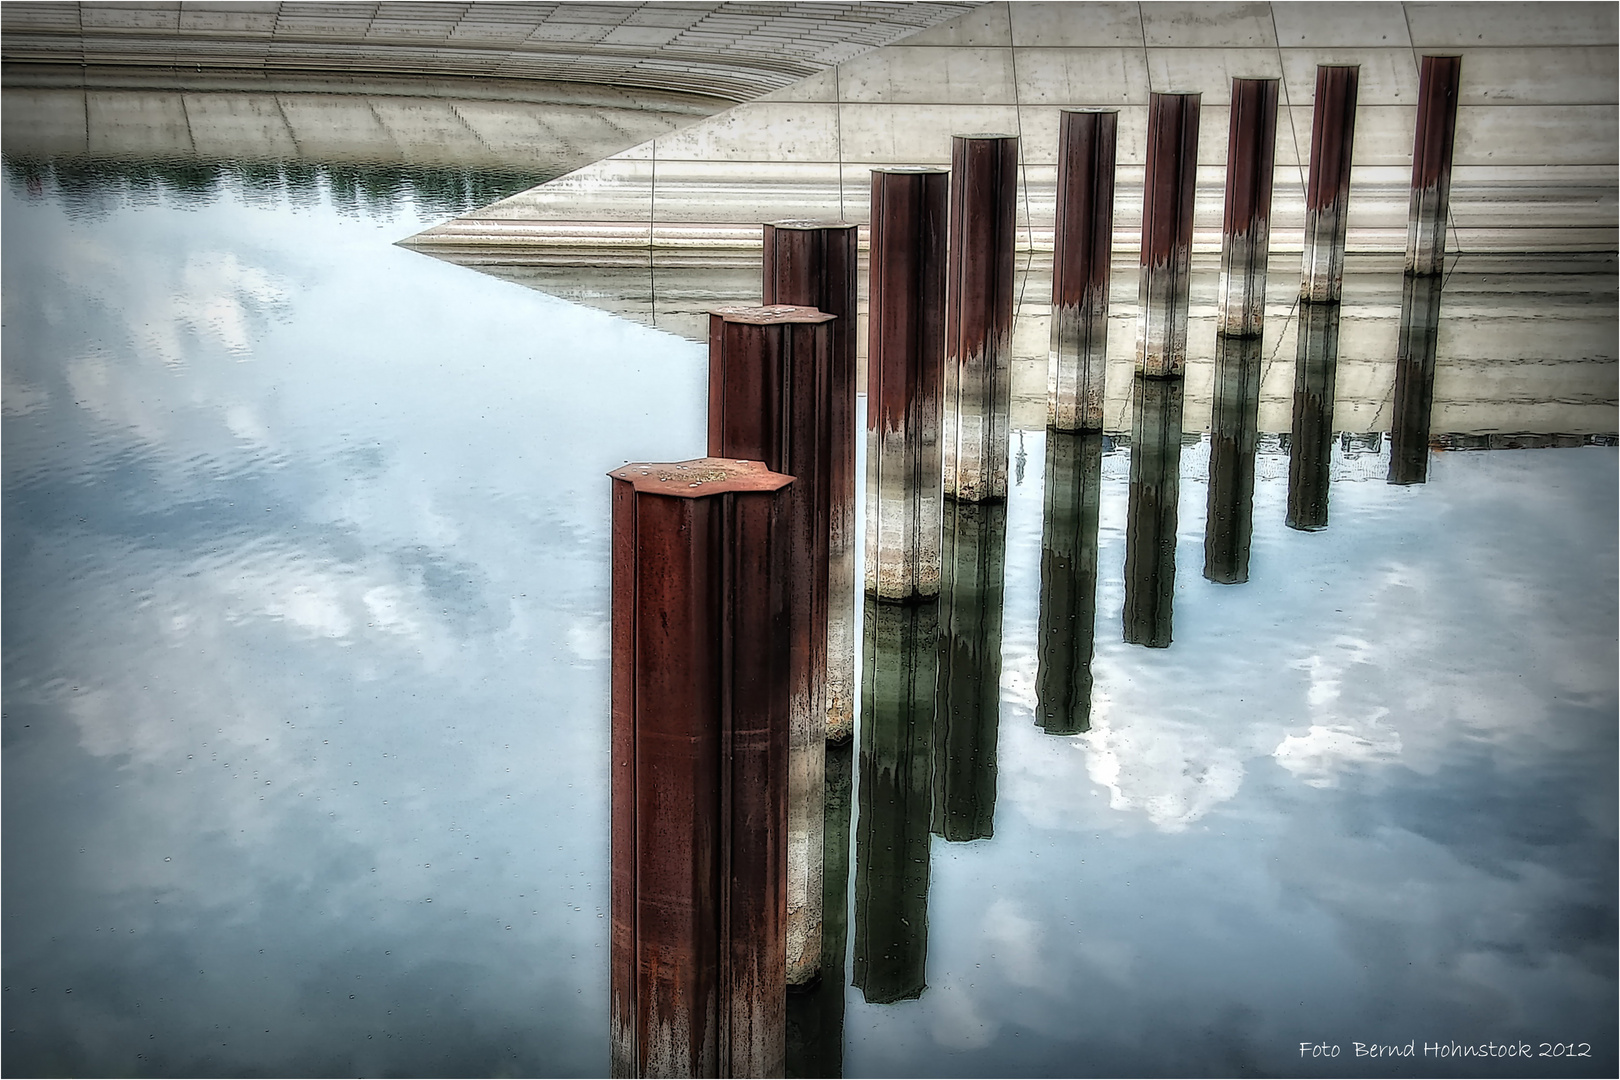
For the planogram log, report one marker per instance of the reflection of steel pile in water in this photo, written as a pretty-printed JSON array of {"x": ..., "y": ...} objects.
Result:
[
  {"x": 1150, "y": 526},
  {"x": 1414, "y": 380},
  {"x": 1068, "y": 581},
  {"x": 1233, "y": 433},
  {"x": 892, "y": 837},
  {"x": 815, "y": 1014},
  {"x": 1310, "y": 444},
  {"x": 975, "y": 545}
]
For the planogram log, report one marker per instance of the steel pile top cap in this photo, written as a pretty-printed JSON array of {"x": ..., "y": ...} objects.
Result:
[
  {"x": 811, "y": 223},
  {"x": 770, "y": 314},
  {"x": 700, "y": 477}
]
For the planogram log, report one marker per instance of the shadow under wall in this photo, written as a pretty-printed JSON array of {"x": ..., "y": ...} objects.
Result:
[
  {"x": 1414, "y": 379},
  {"x": 892, "y": 837},
  {"x": 973, "y": 567},
  {"x": 1150, "y": 524},
  {"x": 1068, "y": 617}
]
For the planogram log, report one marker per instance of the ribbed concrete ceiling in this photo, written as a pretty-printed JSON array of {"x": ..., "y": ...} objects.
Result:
[{"x": 733, "y": 51}]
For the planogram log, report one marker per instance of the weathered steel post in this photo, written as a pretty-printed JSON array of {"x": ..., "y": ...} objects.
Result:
[
  {"x": 904, "y": 368},
  {"x": 1327, "y": 190},
  {"x": 1431, "y": 164},
  {"x": 768, "y": 369},
  {"x": 1150, "y": 520},
  {"x": 892, "y": 830},
  {"x": 1167, "y": 223},
  {"x": 813, "y": 264},
  {"x": 1414, "y": 379},
  {"x": 1083, "y": 247},
  {"x": 1310, "y": 445},
  {"x": 1246, "y": 232},
  {"x": 968, "y": 724},
  {"x": 978, "y": 316},
  {"x": 701, "y": 614},
  {"x": 1234, "y": 428},
  {"x": 1068, "y": 620}
]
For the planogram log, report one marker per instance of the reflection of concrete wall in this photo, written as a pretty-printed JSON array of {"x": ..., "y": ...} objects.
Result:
[
  {"x": 731, "y": 51},
  {"x": 1535, "y": 162},
  {"x": 1524, "y": 346}
]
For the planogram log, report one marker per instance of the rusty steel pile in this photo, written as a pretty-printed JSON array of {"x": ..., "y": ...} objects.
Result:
[{"x": 734, "y": 575}]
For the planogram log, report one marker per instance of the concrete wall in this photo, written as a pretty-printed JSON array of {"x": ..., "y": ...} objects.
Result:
[
  {"x": 461, "y": 125},
  {"x": 732, "y": 51},
  {"x": 1536, "y": 152}
]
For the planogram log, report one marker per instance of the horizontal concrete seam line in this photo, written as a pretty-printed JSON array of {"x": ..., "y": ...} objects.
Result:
[
  {"x": 604, "y": 55},
  {"x": 1297, "y": 49},
  {"x": 1211, "y": 246},
  {"x": 829, "y": 38}
]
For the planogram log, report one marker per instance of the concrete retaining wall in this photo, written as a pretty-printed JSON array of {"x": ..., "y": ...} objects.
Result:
[
  {"x": 733, "y": 51},
  {"x": 1536, "y": 158}
]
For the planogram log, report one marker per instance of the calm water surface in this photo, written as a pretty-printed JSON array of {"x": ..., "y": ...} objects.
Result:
[{"x": 305, "y": 600}]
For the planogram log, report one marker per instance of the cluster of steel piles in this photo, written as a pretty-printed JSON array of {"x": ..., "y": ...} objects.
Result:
[
  {"x": 781, "y": 405},
  {"x": 733, "y": 595}
]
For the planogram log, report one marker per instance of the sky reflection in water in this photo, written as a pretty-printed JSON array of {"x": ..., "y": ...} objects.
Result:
[
  {"x": 305, "y": 561},
  {"x": 305, "y": 572}
]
